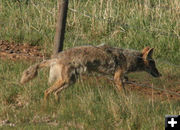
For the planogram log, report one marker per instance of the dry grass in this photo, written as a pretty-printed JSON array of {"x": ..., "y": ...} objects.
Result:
[{"x": 127, "y": 23}]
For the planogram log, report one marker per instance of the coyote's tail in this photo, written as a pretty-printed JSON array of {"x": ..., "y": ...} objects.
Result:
[{"x": 32, "y": 71}]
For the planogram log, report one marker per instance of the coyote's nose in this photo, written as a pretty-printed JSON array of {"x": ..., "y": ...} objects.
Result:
[{"x": 156, "y": 74}]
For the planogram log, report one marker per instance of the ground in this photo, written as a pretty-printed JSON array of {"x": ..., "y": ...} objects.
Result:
[{"x": 16, "y": 51}]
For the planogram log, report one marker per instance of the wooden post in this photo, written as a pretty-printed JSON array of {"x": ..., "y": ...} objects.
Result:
[{"x": 60, "y": 27}]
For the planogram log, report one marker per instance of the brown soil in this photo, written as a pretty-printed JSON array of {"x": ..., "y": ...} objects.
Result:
[
  {"x": 153, "y": 92},
  {"x": 16, "y": 51}
]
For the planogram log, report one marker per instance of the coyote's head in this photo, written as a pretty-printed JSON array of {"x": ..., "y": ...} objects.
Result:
[{"x": 149, "y": 63}]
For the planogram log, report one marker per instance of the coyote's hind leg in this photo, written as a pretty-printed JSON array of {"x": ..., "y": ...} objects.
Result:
[
  {"x": 70, "y": 78},
  {"x": 59, "y": 90},
  {"x": 66, "y": 78},
  {"x": 57, "y": 85}
]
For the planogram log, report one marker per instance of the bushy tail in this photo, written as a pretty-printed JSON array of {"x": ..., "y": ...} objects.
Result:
[{"x": 32, "y": 71}]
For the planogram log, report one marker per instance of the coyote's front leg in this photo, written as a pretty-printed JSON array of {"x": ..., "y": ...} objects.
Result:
[{"x": 118, "y": 79}]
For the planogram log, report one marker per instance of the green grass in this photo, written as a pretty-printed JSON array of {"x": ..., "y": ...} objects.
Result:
[
  {"x": 85, "y": 105},
  {"x": 124, "y": 23},
  {"x": 90, "y": 105}
]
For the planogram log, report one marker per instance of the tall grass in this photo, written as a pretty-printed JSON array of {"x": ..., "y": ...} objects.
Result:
[
  {"x": 124, "y": 23},
  {"x": 85, "y": 105}
]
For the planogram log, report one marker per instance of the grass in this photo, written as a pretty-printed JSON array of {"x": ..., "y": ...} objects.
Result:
[
  {"x": 85, "y": 105},
  {"x": 92, "y": 104},
  {"x": 124, "y": 23}
]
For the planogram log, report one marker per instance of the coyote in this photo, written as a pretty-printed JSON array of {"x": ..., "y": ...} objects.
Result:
[{"x": 68, "y": 65}]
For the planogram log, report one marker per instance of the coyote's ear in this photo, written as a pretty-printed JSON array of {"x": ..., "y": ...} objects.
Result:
[
  {"x": 147, "y": 53},
  {"x": 145, "y": 50}
]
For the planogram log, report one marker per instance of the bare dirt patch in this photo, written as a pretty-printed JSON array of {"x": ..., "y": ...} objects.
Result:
[
  {"x": 15, "y": 51},
  {"x": 153, "y": 92}
]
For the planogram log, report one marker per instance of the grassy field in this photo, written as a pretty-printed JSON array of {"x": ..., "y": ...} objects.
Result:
[
  {"x": 93, "y": 103},
  {"x": 124, "y": 23},
  {"x": 87, "y": 105}
]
